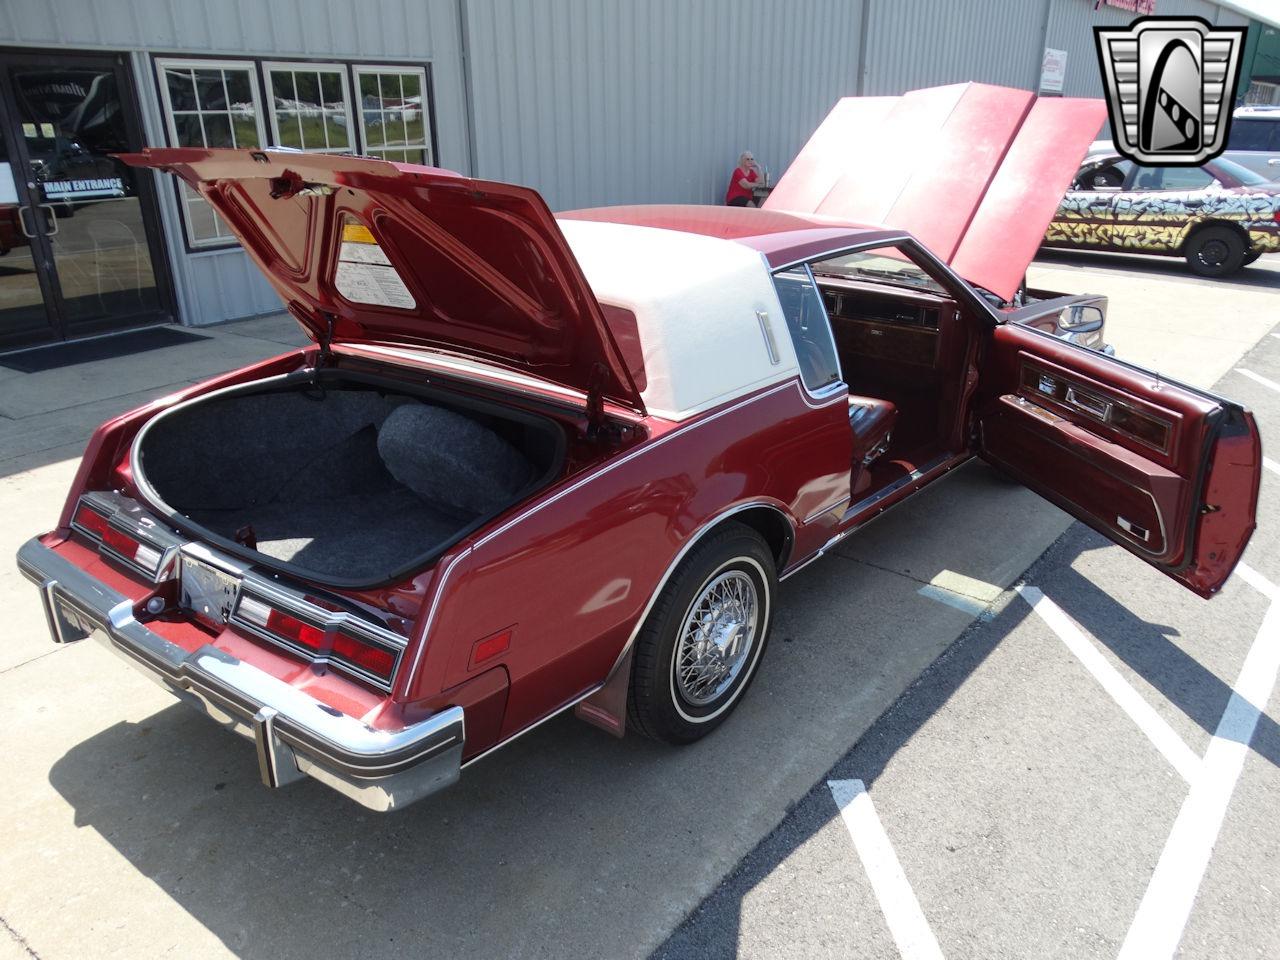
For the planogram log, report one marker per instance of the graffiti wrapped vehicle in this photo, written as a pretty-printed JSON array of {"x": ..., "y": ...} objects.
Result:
[{"x": 1219, "y": 216}]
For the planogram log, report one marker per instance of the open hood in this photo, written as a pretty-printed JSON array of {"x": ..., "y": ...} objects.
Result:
[
  {"x": 366, "y": 251},
  {"x": 975, "y": 172}
]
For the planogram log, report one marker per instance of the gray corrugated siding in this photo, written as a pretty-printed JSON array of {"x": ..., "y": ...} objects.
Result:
[
  {"x": 918, "y": 44},
  {"x": 593, "y": 101},
  {"x": 218, "y": 285},
  {"x": 608, "y": 101}
]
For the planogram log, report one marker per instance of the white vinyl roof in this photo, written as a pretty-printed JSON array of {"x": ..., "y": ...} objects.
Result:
[{"x": 695, "y": 300}]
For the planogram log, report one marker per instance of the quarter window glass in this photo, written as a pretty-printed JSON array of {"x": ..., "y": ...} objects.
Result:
[
  {"x": 1251, "y": 134},
  {"x": 310, "y": 107},
  {"x": 393, "y": 114},
  {"x": 1173, "y": 178},
  {"x": 209, "y": 103},
  {"x": 809, "y": 328}
]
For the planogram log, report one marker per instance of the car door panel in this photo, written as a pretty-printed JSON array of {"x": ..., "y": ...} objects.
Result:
[{"x": 1169, "y": 472}]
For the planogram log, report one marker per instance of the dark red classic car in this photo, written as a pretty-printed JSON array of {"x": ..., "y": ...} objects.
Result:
[{"x": 535, "y": 463}]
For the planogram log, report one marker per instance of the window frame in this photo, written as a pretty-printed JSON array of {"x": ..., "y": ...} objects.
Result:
[
  {"x": 308, "y": 66},
  {"x": 428, "y": 126},
  {"x": 161, "y": 65},
  {"x": 831, "y": 388},
  {"x": 267, "y": 132}
]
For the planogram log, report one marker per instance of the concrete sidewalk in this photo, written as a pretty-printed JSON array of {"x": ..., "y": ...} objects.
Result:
[{"x": 46, "y": 417}]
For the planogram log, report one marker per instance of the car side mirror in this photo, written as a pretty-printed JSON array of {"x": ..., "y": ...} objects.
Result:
[{"x": 1081, "y": 318}]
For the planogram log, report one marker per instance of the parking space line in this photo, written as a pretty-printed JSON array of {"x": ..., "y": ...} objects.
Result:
[
  {"x": 1156, "y": 728},
  {"x": 902, "y": 913},
  {"x": 1162, "y": 915},
  {"x": 1271, "y": 465},
  {"x": 1258, "y": 378},
  {"x": 1256, "y": 580}
]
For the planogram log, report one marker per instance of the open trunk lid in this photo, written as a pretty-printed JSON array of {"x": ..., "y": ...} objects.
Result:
[
  {"x": 975, "y": 171},
  {"x": 366, "y": 251}
]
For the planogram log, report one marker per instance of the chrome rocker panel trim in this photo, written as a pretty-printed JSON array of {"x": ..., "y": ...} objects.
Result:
[{"x": 296, "y": 735}]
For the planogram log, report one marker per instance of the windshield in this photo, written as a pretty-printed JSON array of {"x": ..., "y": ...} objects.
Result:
[
  {"x": 1242, "y": 175},
  {"x": 885, "y": 265}
]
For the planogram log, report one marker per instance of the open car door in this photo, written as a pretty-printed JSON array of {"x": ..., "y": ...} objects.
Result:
[{"x": 1169, "y": 472}]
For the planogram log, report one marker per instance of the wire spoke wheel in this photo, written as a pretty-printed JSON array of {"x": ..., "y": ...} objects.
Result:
[{"x": 716, "y": 638}]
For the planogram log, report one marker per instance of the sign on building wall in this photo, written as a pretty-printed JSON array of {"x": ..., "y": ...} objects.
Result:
[
  {"x": 1053, "y": 71},
  {"x": 1142, "y": 7}
]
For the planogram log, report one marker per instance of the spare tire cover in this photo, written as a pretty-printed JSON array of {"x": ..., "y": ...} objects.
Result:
[{"x": 451, "y": 460}]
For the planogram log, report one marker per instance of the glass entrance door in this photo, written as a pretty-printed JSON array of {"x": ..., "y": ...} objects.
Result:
[{"x": 79, "y": 247}]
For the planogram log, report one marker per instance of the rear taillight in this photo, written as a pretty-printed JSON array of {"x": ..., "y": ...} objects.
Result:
[
  {"x": 342, "y": 643},
  {"x": 116, "y": 542},
  {"x": 90, "y": 521}
]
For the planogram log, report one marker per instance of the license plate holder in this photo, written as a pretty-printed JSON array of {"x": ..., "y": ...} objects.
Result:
[{"x": 206, "y": 592}]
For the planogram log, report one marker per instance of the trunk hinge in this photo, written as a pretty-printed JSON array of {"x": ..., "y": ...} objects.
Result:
[
  {"x": 326, "y": 339},
  {"x": 595, "y": 401}
]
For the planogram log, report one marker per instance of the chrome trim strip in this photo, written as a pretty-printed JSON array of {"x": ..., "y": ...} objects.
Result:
[
  {"x": 938, "y": 465},
  {"x": 770, "y": 343},
  {"x": 425, "y": 633},
  {"x": 822, "y": 552},
  {"x": 825, "y": 510},
  {"x": 381, "y": 769}
]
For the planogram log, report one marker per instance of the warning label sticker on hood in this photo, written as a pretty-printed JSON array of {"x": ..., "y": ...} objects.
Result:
[{"x": 365, "y": 275}]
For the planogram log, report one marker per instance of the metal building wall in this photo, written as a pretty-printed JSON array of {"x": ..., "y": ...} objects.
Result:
[
  {"x": 219, "y": 284},
  {"x": 613, "y": 101},
  {"x": 921, "y": 43}
]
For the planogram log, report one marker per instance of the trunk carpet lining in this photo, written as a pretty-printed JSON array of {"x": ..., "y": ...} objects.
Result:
[{"x": 304, "y": 471}]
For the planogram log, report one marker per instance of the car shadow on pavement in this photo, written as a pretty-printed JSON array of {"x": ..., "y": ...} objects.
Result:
[
  {"x": 1264, "y": 273},
  {"x": 714, "y": 928},
  {"x": 531, "y": 849},
  {"x": 1150, "y": 651}
]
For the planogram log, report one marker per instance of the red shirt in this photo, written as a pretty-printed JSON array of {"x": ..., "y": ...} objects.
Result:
[{"x": 736, "y": 189}]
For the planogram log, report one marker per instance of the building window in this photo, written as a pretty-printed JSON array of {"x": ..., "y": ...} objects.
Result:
[
  {"x": 209, "y": 103},
  {"x": 393, "y": 122},
  {"x": 310, "y": 107},
  {"x": 373, "y": 110}
]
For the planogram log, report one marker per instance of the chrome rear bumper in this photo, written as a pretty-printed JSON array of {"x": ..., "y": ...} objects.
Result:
[{"x": 295, "y": 734}]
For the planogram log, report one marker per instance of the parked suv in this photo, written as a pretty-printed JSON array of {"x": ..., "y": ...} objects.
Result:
[{"x": 1254, "y": 141}]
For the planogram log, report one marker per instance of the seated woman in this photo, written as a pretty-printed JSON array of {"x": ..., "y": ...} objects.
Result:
[{"x": 744, "y": 177}]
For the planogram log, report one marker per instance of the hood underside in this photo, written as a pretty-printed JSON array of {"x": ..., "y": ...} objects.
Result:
[
  {"x": 366, "y": 251},
  {"x": 976, "y": 172}
]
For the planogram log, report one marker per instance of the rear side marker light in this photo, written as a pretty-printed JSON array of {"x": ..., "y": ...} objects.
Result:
[{"x": 491, "y": 646}]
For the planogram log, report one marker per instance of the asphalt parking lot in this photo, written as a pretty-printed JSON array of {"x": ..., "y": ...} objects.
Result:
[{"x": 1025, "y": 807}]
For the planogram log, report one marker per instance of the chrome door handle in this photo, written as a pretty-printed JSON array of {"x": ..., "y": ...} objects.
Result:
[
  {"x": 27, "y": 232},
  {"x": 1140, "y": 533},
  {"x": 1091, "y": 405},
  {"x": 51, "y": 222}
]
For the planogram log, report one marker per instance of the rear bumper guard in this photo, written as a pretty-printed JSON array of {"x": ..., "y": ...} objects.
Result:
[{"x": 296, "y": 735}]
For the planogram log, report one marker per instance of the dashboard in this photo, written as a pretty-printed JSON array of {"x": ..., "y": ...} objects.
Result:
[{"x": 899, "y": 326}]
